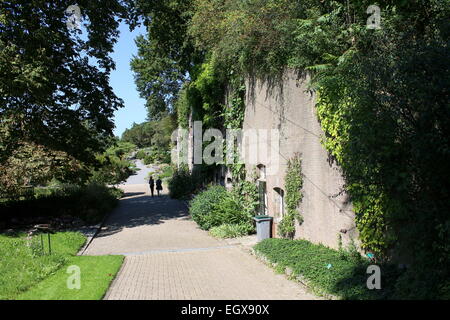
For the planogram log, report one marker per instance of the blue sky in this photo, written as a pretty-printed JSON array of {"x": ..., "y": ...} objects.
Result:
[{"x": 122, "y": 81}]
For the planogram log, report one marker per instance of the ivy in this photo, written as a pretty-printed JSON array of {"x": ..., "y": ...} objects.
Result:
[{"x": 293, "y": 184}]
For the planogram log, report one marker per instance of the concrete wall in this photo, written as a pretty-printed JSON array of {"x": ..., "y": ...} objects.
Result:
[{"x": 290, "y": 109}]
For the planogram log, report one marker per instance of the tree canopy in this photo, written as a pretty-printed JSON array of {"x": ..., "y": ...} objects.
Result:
[
  {"x": 54, "y": 81},
  {"x": 165, "y": 56}
]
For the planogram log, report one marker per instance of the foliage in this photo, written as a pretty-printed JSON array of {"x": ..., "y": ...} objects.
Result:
[
  {"x": 154, "y": 139},
  {"x": 184, "y": 183},
  {"x": 165, "y": 56},
  {"x": 382, "y": 102},
  {"x": 51, "y": 94},
  {"x": 183, "y": 107},
  {"x": 141, "y": 154},
  {"x": 157, "y": 156},
  {"x": 24, "y": 266},
  {"x": 165, "y": 172},
  {"x": 232, "y": 230},
  {"x": 121, "y": 149},
  {"x": 30, "y": 165},
  {"x": 215, "y": 206},
  {"x": 90, "y": 203},
  {"x": 248, "y": 35},
  {"x": 327, "y": 271},
  {"x": 112, "y": 169},
  {"x": 156, "y": 133},
  {"x": 293, "y": 184},
  {"x": 97, "y": 274},
  {"x": 205, "y": 93},
  {"x": 201, "y": 208},
  {"x": 246, "y": 194},
  {"x": 384, "y": 122}
]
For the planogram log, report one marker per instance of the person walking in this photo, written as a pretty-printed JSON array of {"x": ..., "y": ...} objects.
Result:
[
  {"x": 159, "y": 186},
  {"x": 151, "y": 183}
]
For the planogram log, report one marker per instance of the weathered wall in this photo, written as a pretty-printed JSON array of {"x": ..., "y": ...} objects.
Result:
[{"x": 290, "y": 109}]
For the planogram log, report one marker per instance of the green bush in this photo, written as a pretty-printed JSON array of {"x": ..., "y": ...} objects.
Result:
[
  {"x": 203, "y": 206},
  {"x": 328, "y": 271},
  {"x": 141, "y": 154},
  {"x": 164, "y": 172},
  {"x": 156, "y": 155},
  {"x": 232, "y": 230},
  {"x": 90, "y": 203},
  {"x": 184, "y": 183},
  {"x": 215, "y": 207}
]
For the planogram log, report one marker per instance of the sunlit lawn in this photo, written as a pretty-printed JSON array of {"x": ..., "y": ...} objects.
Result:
[{"x": 28, "y": 273}]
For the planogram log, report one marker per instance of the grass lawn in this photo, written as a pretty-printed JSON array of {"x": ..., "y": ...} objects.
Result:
[
  {"x": 328, "y": 271},
  {"x": 28, "y": 273},
  {"x": 96, "y": 276}
]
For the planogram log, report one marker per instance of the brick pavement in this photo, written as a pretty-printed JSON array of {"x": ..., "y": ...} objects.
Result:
[{"x": 169, "y": 257}]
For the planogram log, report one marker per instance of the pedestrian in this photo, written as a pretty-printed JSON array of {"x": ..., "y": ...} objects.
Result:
[
  {"x": 159, "y": 186},
  {"x": 151, "y": 182}
]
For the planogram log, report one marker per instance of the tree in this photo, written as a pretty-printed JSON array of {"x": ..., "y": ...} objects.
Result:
[
  {"x": 152, "y": 133},
  {"x": 50, "y": 92},
  {"x": 166, "y": 55}
]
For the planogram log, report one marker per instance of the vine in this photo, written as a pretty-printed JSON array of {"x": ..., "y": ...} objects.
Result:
[{"x": 294, "y": 196}]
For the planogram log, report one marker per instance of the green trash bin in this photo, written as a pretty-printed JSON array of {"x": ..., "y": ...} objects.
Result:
[{"x": 263, "y": 227}]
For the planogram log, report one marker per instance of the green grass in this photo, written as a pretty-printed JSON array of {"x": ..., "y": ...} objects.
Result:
[
  {"x": 96, "y": 276},
  {"x": 346, "y": 278},
  {"x": 27, "y": 271}
]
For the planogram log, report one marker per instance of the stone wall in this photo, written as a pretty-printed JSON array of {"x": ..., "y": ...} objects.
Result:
[{"x": 290, "y": 109}]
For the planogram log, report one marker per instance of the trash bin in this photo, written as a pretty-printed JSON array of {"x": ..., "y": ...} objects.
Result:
[{"x": 263, "y": 227}]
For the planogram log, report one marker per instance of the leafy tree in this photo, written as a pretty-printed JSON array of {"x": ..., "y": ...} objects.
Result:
[
  {"x": 51, "y": 93},
  {"x": 33, "y": 165},
  {"x": 165, "y": 56},
  {"x": 139, "y": 134},
  {"x": 151, "y": 133}
]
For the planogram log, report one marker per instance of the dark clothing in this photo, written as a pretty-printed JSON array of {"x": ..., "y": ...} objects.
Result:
[
  {"x": 159, "y": 184},
  {"x": 151, "y": 182}
]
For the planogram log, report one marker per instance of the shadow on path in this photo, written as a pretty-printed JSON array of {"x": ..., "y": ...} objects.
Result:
[{"x": 138, "y": 209}]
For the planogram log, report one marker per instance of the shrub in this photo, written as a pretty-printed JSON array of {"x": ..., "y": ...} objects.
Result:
[
  {"x": 184, "y": 183},
  {"x": 215, "y": 207},
  {"x": 141, "y": 154},
  {"x": 232, "y": 230},
  {"x": 328, "y": 271},
  {"x": 204, "y": 205},
  {"x": 90, "y": 203}
]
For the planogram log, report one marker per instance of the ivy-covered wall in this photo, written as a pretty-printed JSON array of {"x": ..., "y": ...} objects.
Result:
[{"x": 290, "y": 108}]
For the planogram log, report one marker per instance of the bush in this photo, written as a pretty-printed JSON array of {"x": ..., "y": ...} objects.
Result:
[
  {"x": 205, "y": 204},
  {"x": 215, "y": 207},
  {"x": 346, "y": 277},
  {"x": 141, "y": 154},
  {"x": 90, "y": 203},
  {"x": 154, "y": 155},
  {"x": 232, "y": 230},
  {"x": 183, "y": 183},
  {"x": 164, "y": 172}
]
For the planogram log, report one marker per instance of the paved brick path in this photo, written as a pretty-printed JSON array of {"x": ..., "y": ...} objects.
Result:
[{"x": 169, "y": 257}]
